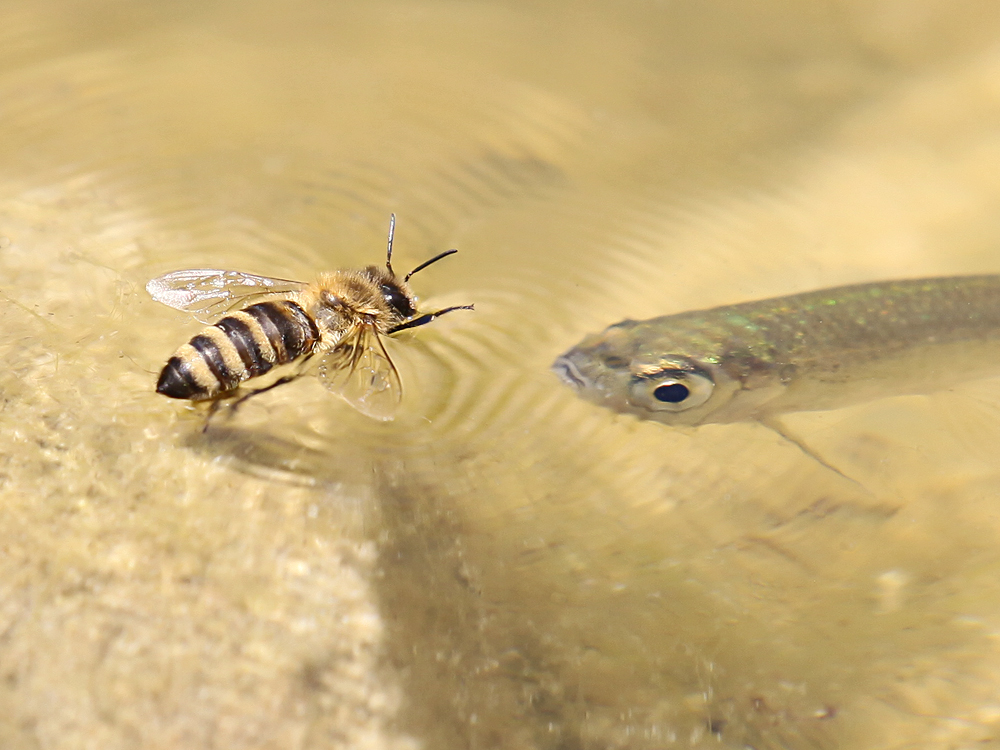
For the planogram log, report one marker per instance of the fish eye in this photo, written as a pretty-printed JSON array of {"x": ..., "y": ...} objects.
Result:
[
  {"x": 673, "y": 390},
  {"x": 671, "y": 393}
]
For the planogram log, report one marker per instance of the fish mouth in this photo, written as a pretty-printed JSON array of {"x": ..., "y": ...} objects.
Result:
[{"x": 568, "y": 373}]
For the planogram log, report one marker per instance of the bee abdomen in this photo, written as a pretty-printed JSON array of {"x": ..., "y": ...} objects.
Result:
[
  {"x": 240, "y": 346},
  {"x": 177, "y": 380},
  {"x": 285, "y": 327}
]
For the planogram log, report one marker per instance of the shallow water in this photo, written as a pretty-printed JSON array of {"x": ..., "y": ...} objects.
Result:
[{"x": 503, "y": 565}]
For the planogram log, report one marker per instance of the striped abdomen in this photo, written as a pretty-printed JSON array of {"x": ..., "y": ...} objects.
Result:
[{"x": 241, "y": 346}]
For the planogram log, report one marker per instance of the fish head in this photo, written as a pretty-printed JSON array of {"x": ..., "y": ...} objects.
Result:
[{"x": 677, "y": 381}]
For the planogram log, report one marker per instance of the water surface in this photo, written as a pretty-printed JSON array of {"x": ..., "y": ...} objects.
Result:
[{"x": 504, "y": 565}]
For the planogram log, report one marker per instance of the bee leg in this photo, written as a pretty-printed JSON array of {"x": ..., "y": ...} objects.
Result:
[
  {"x": 258, "y": 391},
  {"x": 216, "y": 403},
  {"x": 280, "y": 381},
  {"x": 428, "y": 317}
]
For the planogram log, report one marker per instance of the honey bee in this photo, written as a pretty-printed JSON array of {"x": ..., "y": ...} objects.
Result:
[{"x": 340, "y": 319}]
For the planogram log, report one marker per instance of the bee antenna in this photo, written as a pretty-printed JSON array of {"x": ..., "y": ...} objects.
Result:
[
  {"x": 426, "y": 263},
  {"x": 388, "y": 251}
]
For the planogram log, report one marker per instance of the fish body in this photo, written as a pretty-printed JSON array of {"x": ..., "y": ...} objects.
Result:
[{"x": 804, "y": 352}]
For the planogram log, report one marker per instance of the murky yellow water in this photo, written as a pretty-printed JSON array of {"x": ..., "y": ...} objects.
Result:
[{"x": 503, "y": 566}]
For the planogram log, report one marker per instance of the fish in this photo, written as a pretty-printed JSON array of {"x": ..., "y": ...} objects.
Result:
[{"x": 813, "y": 351}]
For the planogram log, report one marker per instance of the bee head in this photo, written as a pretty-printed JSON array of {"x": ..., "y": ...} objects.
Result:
[
  {"x": 394, "y": 292},
  {"x": 398, "y": 298}
]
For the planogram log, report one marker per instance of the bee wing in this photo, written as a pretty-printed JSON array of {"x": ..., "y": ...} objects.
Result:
[
  {"x": 209, "y": 292},
  {"x": 360, "y": 371}
]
